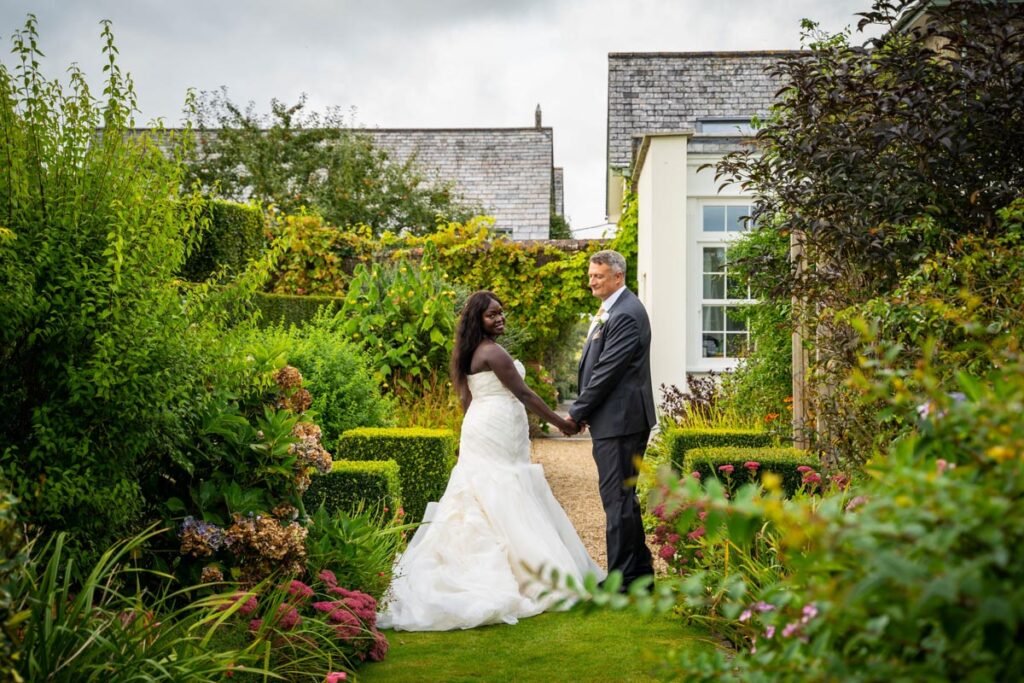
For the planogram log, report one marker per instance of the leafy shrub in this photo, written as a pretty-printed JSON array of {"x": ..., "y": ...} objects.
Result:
[
  {"x": 433, "y": 405},
  {"x": 403, "y": 315},
  {"x": 317, "y": 259},
  {"x": 738, "y": 465},
  {"x": 425, "y": 460},
  {"x": 354, "y": 485},
  {"x": 679, "y": 441},
  {"x": 231, "y": 234},
  {"x": 104, "y": 363},
  {"x": 340, "y": 378},
  {"x": 359, "y": 547},
  {"x": 292, "y": 309}
]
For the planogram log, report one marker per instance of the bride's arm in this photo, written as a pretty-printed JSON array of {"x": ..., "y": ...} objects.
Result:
[{"x": 499, "y": 362}]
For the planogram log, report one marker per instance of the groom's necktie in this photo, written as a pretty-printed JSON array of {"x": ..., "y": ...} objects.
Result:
[{"x": 595, "y": 322}]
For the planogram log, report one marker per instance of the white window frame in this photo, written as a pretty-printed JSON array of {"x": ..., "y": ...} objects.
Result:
[{"x": 712, "y": 239}]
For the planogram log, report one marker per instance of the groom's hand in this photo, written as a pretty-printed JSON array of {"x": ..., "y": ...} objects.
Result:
[{"x": 572, "y": 429}]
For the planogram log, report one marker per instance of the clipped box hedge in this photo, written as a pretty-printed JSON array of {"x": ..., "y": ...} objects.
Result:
[
  {"x": 425, "y": 459},
  {"x": 370, "y": 484},
  {"x": 781, "y": 461},
  {"x": 291, "y": 309},
  {"x": 682, "y": 440},
  {"x": 234, "y": 236}
]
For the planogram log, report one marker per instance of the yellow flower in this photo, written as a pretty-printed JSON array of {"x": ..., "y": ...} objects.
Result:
[{"x": 999, "y": 453}]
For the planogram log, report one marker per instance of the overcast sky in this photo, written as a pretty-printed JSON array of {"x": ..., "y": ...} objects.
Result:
[{"x": 414, "y": 63}]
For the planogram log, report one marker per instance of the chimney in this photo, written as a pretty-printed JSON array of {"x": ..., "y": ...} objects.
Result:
[{"x": 536, "y": 117}]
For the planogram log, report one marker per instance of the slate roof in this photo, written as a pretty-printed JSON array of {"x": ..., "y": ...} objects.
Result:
[
  {"x": 652, "y": 92},
  {"x": 506, "y": 171}
]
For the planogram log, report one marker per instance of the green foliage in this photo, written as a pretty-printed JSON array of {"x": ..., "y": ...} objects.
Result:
[
  {"x": 783, "y": 462},
  {"x": 340, "y": 378},
  {"x": 559, "y": 228},
  {"x": 103, "y": 361},
  {"x": 354, "y": 485},
  {"x": 295, "y": 158},
  {"x": 357, "y": 545},
  {"x": 103, "y": 631},
  {"x": 292, "y": 309},
  {"x": 317, "y": 259},
  {"x": 679, "y": 441},
  {"x": 402, "y": 314},
  {"x": 627, "y": 237},
  {"x": 425, "y": 459},
  {"x": 232, "y": 236},
  {"x": 12, "y": 567},
  {"x": 544, "y": 289},
  {"x": 432, "y": 404}
]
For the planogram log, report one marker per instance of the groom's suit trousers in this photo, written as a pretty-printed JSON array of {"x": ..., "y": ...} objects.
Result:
[{"x": 624, "y": 530}]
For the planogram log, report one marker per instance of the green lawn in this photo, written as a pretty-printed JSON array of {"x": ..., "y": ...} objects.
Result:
[{"x": 556, "y": 646}]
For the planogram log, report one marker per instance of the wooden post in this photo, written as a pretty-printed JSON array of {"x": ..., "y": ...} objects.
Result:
[{"x": 799, "y": 353}]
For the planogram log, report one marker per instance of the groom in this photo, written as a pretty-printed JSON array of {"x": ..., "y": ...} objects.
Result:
[{"x": 617, "y": 404}]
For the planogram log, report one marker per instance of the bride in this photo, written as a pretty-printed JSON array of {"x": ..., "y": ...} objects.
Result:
[{"x": 470, "y": 562}]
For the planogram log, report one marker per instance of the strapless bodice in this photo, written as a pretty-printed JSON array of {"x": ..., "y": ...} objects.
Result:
[{"x": 486, "y": 384}]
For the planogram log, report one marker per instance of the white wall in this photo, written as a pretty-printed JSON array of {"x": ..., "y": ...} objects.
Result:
[{"x": 662, "y": 264}]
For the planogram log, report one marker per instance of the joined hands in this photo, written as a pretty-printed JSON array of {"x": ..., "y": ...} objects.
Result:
[{"x": 572, "y": 427}]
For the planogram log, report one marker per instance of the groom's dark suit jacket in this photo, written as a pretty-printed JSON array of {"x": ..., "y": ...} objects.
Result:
[{"x": 615, "y": 396}]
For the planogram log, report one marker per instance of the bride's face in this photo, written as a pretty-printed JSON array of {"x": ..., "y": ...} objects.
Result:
[{"x": 494, "y": 319}]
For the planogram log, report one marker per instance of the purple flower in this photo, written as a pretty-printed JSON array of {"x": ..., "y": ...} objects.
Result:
[
  {"x": 763, "y": 606},
  {"x": 809, "y": 612},
  {"x": 745, "y": 616},
  {"x": 328, "y": 577},
  {"x": 297, "y": 589},
  {"x": 769, "y": 632},
  {"x": 790, "y": 629}
]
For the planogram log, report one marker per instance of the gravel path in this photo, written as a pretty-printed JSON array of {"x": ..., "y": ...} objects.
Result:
[{"x": 570, "y": 470}]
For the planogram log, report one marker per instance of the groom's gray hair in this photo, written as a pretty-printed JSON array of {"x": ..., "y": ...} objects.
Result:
[{"x": 609, "y": 257}]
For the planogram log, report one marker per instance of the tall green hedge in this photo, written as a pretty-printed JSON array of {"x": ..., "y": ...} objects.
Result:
[
  {"x": 233, "y": 237},
  {"x": 291, "y": 309},
  {"x": 680, "y": 441},
  {"x": 354, "y": 484},
  {"x": 425, "y": 458},
  {"x": 781, "y": 461}
]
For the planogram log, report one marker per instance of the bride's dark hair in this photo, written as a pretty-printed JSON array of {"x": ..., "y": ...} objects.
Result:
[{"x": 468, "y": 335}]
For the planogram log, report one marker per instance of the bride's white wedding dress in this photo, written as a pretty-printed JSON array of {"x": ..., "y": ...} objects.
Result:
[{"x": 467, "y": 565}]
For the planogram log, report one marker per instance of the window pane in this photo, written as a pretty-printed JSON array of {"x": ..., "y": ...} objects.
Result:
[
  {"x": 714, "y": 287},
  {"x": 714, "y": 219},
  {"x": 714, "y": 318},
  {"x": 737, "y": 288},
  {"x": 733, "y": 216},
  {"x": 714, "y": 259},
  {"x": 735, "y": 320},
  {"x": 713, "y": 346},
  {"x": 737, "y": 345}
]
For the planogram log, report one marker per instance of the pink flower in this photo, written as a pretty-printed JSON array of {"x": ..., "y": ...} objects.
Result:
[
  {"x": 328, "y": 577},
  {"x": 659, "y": 511},
  {"x": 673, "y": 538},
  {"x": 752, "y": 465},
  {"x": 346, "y": 625},
  {"x": 380, "y": 647},
  {"x": 763, "y": 606},
  {"x": 298, "y": 589},
  {"x": 696, "y": 533},
  {"x": 943, "y": 465},
  {"x": 855, "y": 503},
  {"x": 255, "y": 625},
  {"x": 790, "y": 629},
  {"x": 769, "y": 632},
  {"x": 746, "y": 615},
  {"x": 287, "y": 617},
  {"x": 667, "y": 552},
  {"x": 726, "y": 469},
  {"x": 247, "y": 608},
  {"x": 804, "y": 469},
  {"x": 809, "y": 612},
  {"x": 812, "y": 478},
  {"x": 840, "y": 480},
  {"x": 695, "y": 474},
  {"x": 336, "y": 677}
]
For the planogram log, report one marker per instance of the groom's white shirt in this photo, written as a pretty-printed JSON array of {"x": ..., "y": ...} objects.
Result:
[{"x": 606, "y": 305}]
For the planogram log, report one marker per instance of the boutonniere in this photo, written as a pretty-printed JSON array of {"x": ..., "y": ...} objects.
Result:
[{"x": 600, "y": 320}]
